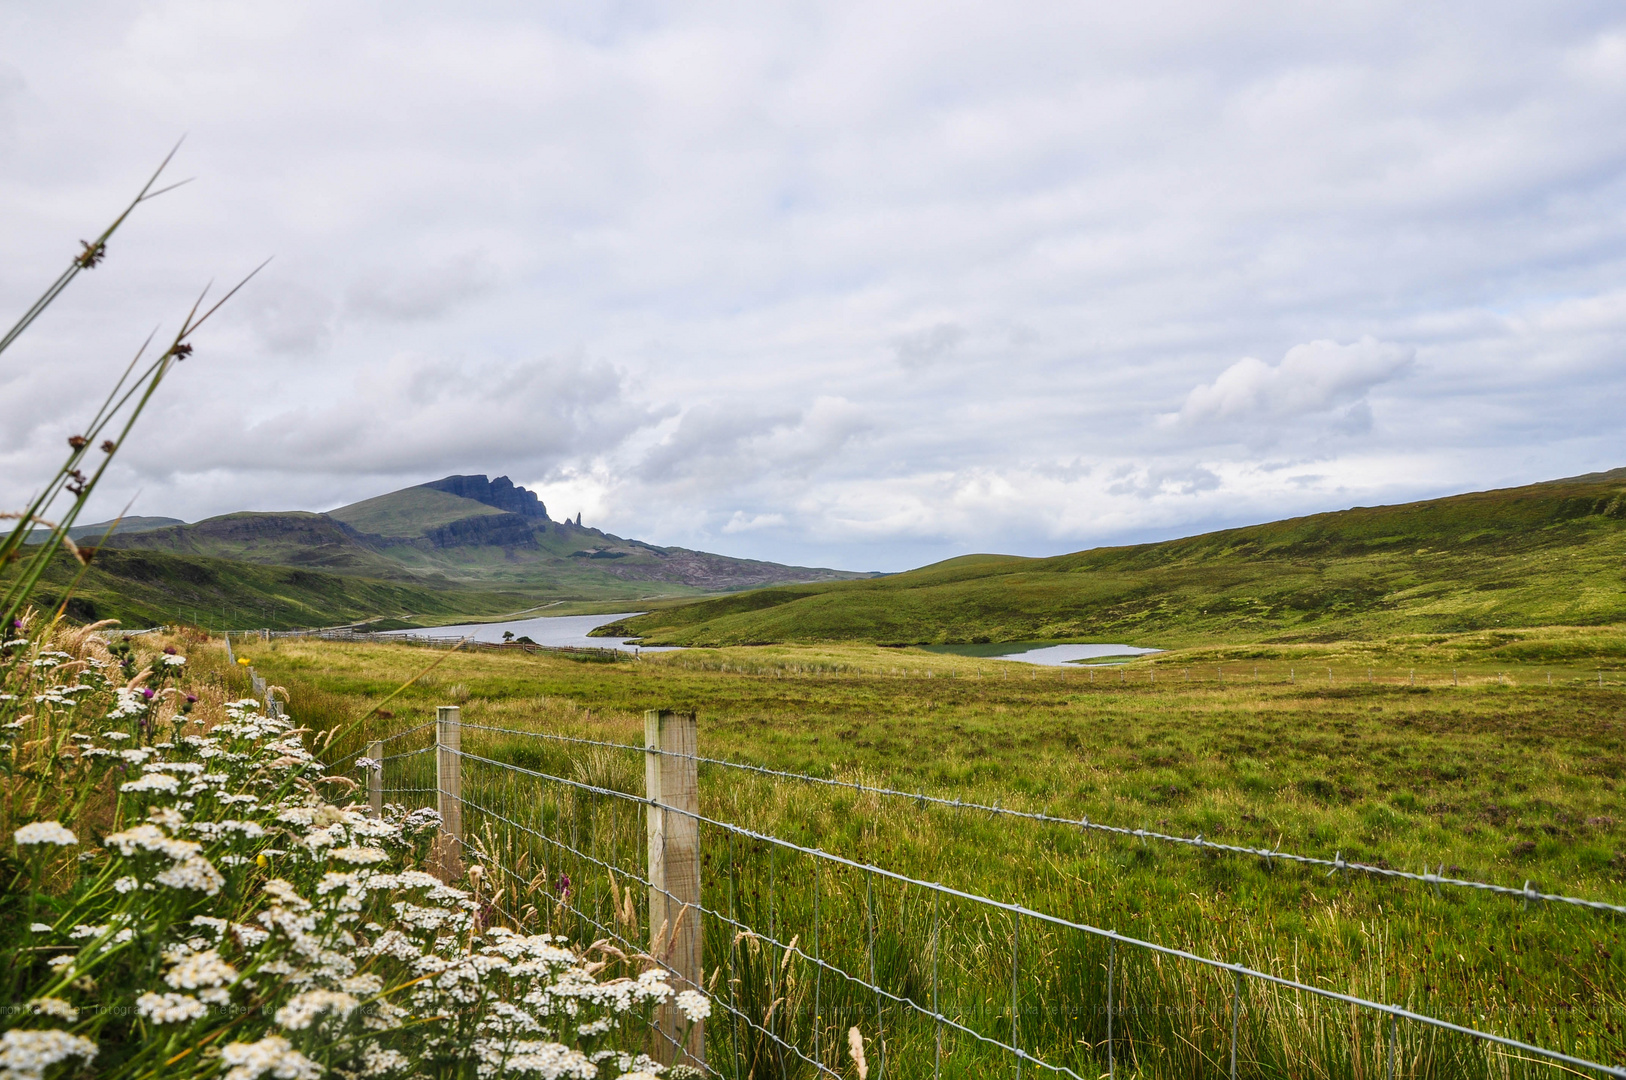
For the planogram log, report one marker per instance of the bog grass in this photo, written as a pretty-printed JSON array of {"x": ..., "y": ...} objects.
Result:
[{"x": 1500, "y": 777}]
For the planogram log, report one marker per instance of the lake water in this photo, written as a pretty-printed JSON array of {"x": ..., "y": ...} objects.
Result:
[
  {"x": 1043, "y": 653},
  {"x": 554, "y": 630}
]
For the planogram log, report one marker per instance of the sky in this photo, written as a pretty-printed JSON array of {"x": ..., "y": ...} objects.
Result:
[{"x": 834, "y": 284}]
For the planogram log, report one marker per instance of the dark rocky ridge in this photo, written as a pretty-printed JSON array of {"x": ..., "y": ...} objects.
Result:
[{"x": 500, "y": 493}]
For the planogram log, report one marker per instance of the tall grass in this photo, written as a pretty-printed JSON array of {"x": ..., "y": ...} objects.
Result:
[{"x": 1546, "y": 976}]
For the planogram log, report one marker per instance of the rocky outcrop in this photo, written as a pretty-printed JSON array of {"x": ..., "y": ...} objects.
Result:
[
  {"x": 491, "y": 530},
  {"x": 500, "y": 493}
]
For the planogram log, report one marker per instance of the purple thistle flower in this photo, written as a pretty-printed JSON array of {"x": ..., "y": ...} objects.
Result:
[{"x": 146, "y": 692}]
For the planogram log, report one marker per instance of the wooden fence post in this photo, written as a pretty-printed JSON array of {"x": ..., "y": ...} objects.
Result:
[
  {"x": 375, "y": 779},
  {"x": 672, "y": 786},
  {"x": 449, "y": 788}
]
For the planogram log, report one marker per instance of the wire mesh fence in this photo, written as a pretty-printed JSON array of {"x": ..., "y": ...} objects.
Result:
[{"x": 801, "y": 946}]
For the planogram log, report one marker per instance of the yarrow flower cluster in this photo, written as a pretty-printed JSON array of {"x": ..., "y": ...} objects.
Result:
[
  {"x": 335, "y": 956},
  {"x": 45, "y": 832}
]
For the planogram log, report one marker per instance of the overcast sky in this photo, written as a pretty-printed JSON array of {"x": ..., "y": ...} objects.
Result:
[{"x": 863, "y": 285}]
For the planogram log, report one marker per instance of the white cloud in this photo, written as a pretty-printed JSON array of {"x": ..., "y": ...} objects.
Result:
[{"x": 1315, "y": 377}]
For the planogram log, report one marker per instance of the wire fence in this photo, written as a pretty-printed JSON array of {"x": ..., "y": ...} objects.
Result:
[
  {"x": 433, "y": 641},
  {"x": 802, "y": 945},
  {"x": 1525, "y": 893}
]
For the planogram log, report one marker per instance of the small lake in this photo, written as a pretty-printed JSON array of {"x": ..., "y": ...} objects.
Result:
[
  {"x": 1043, "y": 652},
  {"x": 556, "y": 630}
]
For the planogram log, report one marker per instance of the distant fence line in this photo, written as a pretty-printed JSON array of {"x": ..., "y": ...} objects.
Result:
[
  {"x": 493, "y": 810},
  {"x": 431, "y": 641}
]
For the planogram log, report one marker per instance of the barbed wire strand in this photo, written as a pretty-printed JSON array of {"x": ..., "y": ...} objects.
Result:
[
  {"x": 1336, "y": 863},
  {"x": 1056, "y": 920}
]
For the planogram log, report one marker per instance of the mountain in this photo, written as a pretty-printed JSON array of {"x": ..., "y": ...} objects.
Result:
[
  {"x": 466, "y": 532},
  {"x": 1549, "y": 554}
]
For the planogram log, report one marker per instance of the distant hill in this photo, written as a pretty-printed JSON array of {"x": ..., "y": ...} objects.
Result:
[
  {"x": 1544, "y": 555},
  {"x": 466, "y": 532},
  {"x": 99, "y": 529},
  {"x": 146, "y": 588}
]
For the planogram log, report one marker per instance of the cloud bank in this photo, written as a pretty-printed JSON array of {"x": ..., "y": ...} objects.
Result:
[{"x": 829, "y": 283}]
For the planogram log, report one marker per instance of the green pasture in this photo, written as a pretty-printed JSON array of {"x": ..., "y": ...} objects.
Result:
[{"x": 1497, "y": 775}]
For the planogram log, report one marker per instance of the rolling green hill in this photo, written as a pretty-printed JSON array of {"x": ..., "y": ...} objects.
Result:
[
  {"x": 147, "y": 588},
  {"x": 467, "y": 532},
  {"x": 1546, "y": 555}
]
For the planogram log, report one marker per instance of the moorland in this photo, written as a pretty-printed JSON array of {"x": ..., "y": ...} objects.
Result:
[{"x": 1483, "y": 767}]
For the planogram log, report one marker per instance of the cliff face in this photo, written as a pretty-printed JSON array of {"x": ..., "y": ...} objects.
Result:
[
  {"x": 489, "y": 530},
  {"x": 500, "y": 493}
]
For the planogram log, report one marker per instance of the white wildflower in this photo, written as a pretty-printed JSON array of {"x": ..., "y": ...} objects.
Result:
[
  {"x": 25, "y": 1055},
  {"x": 151, "y": 838},
  {"x": 115, "y": 735},
  {"x": 191, "y": 768},
  {"x": 174, "y": 661},
  {"x": 195, "y": 873},
  {"x": 200, "y": 969},
  {"x": 365, "y": 985},
  {"x": 360, "y": 856},
  {"x": 304, "y": 1008},
  {"x": 272, "y": 1054},
  {"x": 85, "y": 930},
  {"x": 694, "y": 1005},
  {"x": 45, "y": 832},
  {"x": 152, "y": 782},
  {"x": 126, "y": 884},
  {"x": 61, "y": 961},
  {"x": 285, "y": 894},
  {"x": 546, "y": 1058},
  {"x": 170, "y": 1008},
  {"x": 51, "y": 1006},
  {"x": 250, "y": 937},
  {"x": 167, "y": 816},
  {"x": 377, "y": 1061},
  {"x": 39, "y": 928}
]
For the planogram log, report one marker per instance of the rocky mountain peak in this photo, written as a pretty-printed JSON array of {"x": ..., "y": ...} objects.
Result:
[{"x": 501, "y": 493}]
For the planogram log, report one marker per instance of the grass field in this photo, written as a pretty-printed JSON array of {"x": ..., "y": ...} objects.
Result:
[{"x": 1501, "y": 777}]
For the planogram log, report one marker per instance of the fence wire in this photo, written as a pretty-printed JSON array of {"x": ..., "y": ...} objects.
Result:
[{"x": 1334, "y": 864}]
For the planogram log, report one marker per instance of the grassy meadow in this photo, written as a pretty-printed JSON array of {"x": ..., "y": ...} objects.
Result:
[{"x": 1450, "y": 751}]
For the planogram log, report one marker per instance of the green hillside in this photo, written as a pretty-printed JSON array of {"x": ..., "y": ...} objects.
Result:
[
  {"x": 147, "y": 588},
  {"x": 1545, "y": 555},
  {"x": 412, "y": 512}
]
